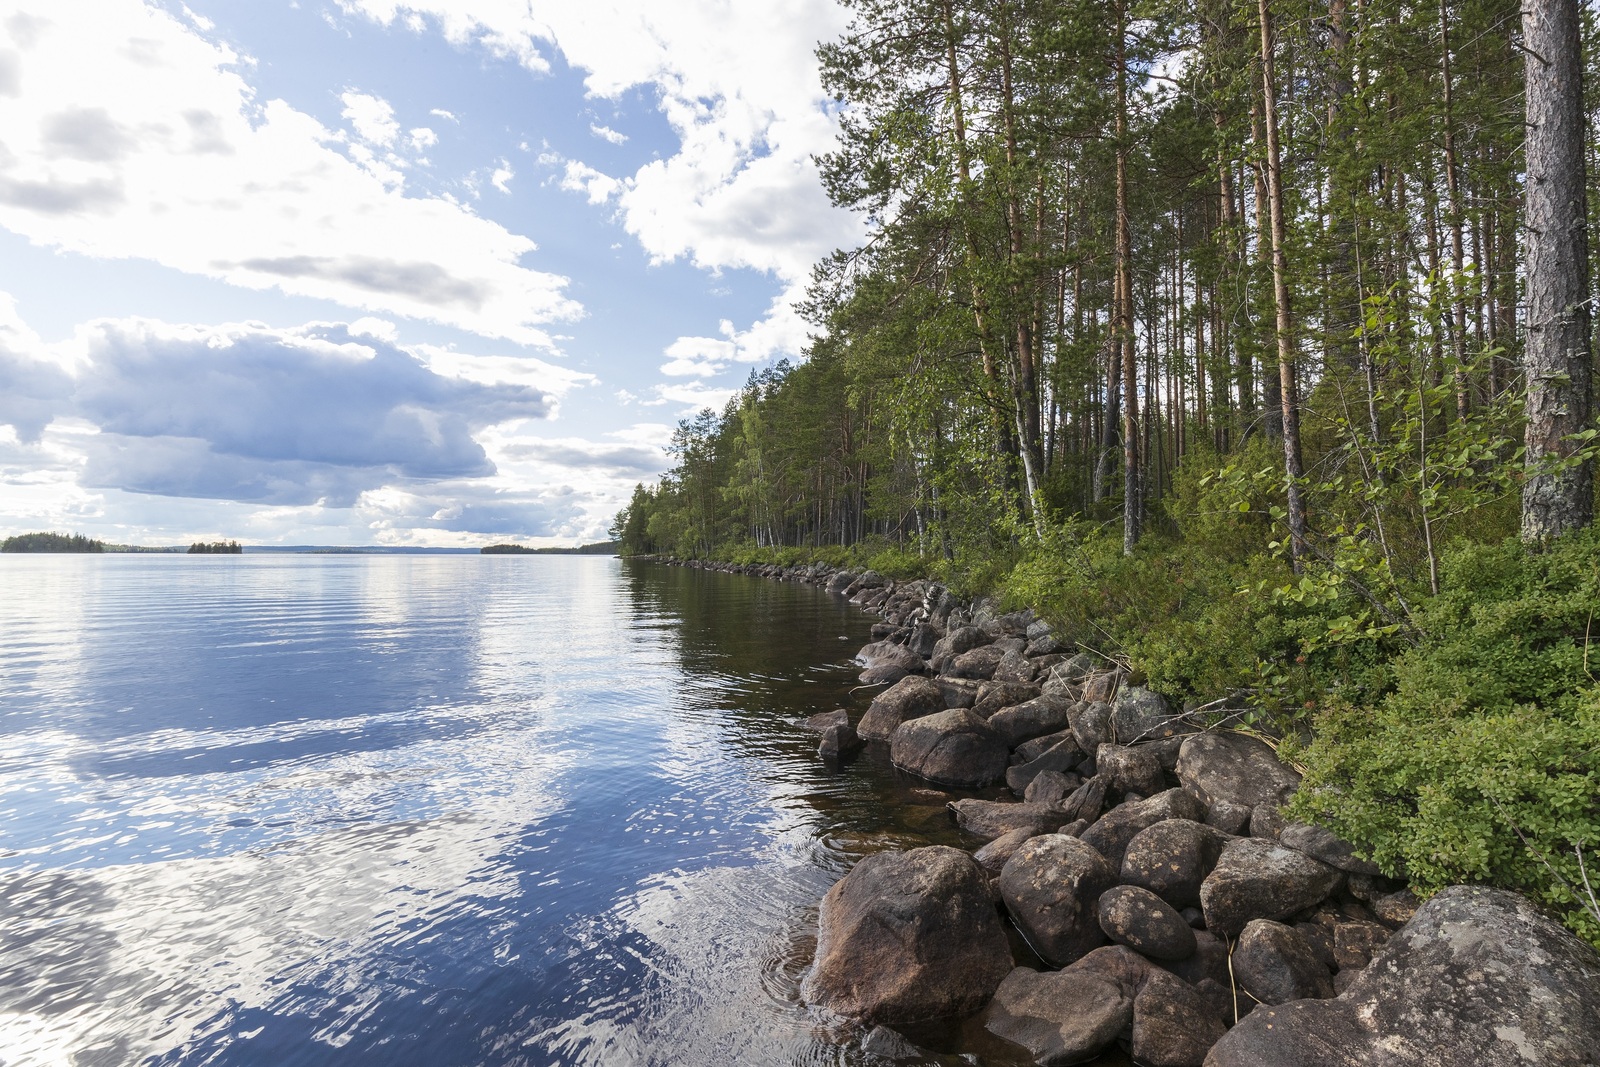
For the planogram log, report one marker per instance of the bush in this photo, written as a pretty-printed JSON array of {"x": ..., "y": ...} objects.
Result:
[{"x": 1483, "y": 764}]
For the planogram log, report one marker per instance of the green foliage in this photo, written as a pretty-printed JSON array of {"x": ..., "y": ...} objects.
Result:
[
  {"x": 220, "y": 548},
  {"x": 1483, "y": 764},
  {"x": 50, "y": 542}
]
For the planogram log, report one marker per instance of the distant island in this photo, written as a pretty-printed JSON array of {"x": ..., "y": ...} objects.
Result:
[
  {"x": 51, "y": 542},
  {"x": 599, "y": 548},
  {"x": 216, "y": 548}
]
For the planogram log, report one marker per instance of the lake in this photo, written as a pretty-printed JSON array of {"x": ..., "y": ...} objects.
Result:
[{"x": 426, "y": 810}]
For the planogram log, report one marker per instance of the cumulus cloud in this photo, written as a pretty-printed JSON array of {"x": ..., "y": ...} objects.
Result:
[
  {"x": 167, "y": 154},
  {"x": 608, "y": 134}
]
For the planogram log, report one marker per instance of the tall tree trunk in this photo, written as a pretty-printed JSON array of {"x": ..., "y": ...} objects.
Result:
[
  {"x": 1557, "y": 357},
  {"x": 1280, "y": 290},
  {"x": 1132, "y": 499}
]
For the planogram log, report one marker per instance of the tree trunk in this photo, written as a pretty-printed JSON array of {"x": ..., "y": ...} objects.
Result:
[
  {"x": 1557, "y": 355},
  {"x": 1132, "y": 499}
]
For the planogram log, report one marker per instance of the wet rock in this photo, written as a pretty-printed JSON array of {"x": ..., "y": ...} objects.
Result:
[
  {"x": 1222, "y": 765},
  {"x": 979, "y": 663},
  {"x": 909, "y": 698},
  {"x": 839, "y": 741},
  {"x": 1396, "y": 909},
  {"x": 1132, "y": 769},
  {"x": 908, "y": 937},
  {"x": 994, "y": 695},
  {"x": 1256, "y": 879},
  {"x": 1355, "y": 943},
  {"x": 1014, "y": 666},
  {"x": 958, "y": 692},
  {"x": 1275, "y": 964},
  {"x": 885, "y": 1046},
  {"x": 1145, "y": 923},
  {"x": 993, "y": 856},
  {"x": 1051, "y": 788},
  {"x": 820, "y": 723},
  {"x": 1232, "y": 819},
  {"x": 1174, "y": 1025},
  {"x": 1037, "y": 718},
  {"x": 953, "y": 748},
  {"x": 1118, "y": 827},
  {"x": 1091, "y": 724},
  {"x": 1051, "y": 887},
  {"x": 1322, "y": 844},
  {"x": 882, "y": 675},
  {"x": 1172, "y": 858},
  {"x": 1059, "y": 1017},
  {"x": 990, "y": 819},
  {"x": 1479, "y": 978}
]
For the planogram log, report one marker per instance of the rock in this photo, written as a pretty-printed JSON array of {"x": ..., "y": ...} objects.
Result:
[
  {"x": 908, "y": 937},
  {"x": 867, "y": 580},
  {"x": 838, "y": 741},
  {"x": 1355, "y": 943},
  {"x": 1396, "y": 909},
  {"x": 990, "y": 819},
  {"x": 1138, "y": 714},
  {"x": 958, "y": 692},
  {"x": 1232, "y": 819},
  {"x": 1051, "y": 886},
  {"x": 1479, "y": 978},
  {"x": 1069, "y": 673},
  {"x": 840, "y": 581},
  {"x": 1014, "y": 666},
  {"x": 1132, "y": 769},
  {"x": 1166, "y": 750},
  {"x": 1222, "y": 765},
  {"x": 1172, "y": 858},
  {"x": 953, "y": 748},
  {"x": 993, "y": 856},
  {"x": 1117, "y": 827},
  {"x": 1075, "y": 828},
  {"x": 820, "y": 723},
  {"x": 1044, "y": 645},
  {"x": 1051, "y": 788},
  {"x": 1320, "y": 938},
  {"x": 1010, "y": 644},
  {"x": 1145, "y": 923},
  {"x": 922, "y": 639},
  {"x": 979, "y": 663},
  {"x": 1037, "y": 718},
  {"x": 1275, "y": 964},
  {"x": 1086, "y": 801},
  {"x": 1174, "y": 1025},
  {"x": 1062, "y": 755},
  {"x": 1101, "y": 686},
  {"x": 992, "y": 696},
  {"x": 1059, "y": 1017},
  {"x": 1322, "y": 844},
  {"x": 882, "y": 675},
  {"x": 909, "y": 698},
  {"x": 882, "y": 1045},
  {"x": 889, "y": 654},
  {"x": 965, "y": 639},
  {"x": 1091, "y": 724},
  {"x": 1256, "y": 879},
  {"x": 1266, "y": 823},
  {"x": 1209, "y": 961},
  {"x": 1192, "y": 915}
]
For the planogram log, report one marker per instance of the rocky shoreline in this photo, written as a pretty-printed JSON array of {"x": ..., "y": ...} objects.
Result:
[{"x": 1147, "y": 863}]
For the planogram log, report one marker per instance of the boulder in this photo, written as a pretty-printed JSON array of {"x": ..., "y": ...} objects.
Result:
[
  {"x": 1101, "y": 686},
  {"x": 965, "y": 639},
  {"x": 840, "y": 581},
  {"x": 1275, "y": 964},
  {"x": 1256, "y": 879},
  {"x": 1479, "y": 978},
  {"x": 909, "y": 698},
  {"x": 838, "y": 741},
  {"x": 1014, "y": 666},
  {"x": 1266, "y": 822},
  {"x": 1032, "y": 750},
  {"x": 1051, "y": 886},
  {"x": 1044, "y": 645},
  {"x": 958, "y": 692},
  {"x": 908, "y": 937},
  {"x": 1145, "y": 923},
  {"x": 923, "y": 639},
  {"x": 1091, "y": 724},
  {"x": 1059, "y": 1017},
  {"x": 993, "y": 856},
  {"x": 992, "y": 696},
  {"x": 1139, "y": 714},
  {"x": 1051, "y": 788},
  {"x": 1320, "y": 937},
  {"x": 1037, "y": 718},
  {"x": 953, "y": 748},
  {"x": 979, "y": 663},
  {"x": 1061, "y": 757},
  {"x": 1396, "y": 909},
  {"x": 1174, "y": 1024},
  {"x": 1322, "y": 844},
  {"x": 990, "y": 819},
  {"x": 1232, "y": 819},
  {"x": 1085, "y": 802},
  {"x": 882, "y": 675},
  {"x": 1209, "y": 961},
  {"x": 890, "y": 654},
  {"x": 1117, "y": 827},
  {"x": 1131, "y": 768},
  {"x": 1356, "y": 942},
  {"x": 1172, "y": 858},
  {"x": 820, "y": 723},
  {"x": 1070, "y": 672},
  {"x": 1233, "y": 767}
]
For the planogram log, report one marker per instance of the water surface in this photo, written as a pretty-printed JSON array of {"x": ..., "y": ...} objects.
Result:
[{"x": 281, "y": 810}]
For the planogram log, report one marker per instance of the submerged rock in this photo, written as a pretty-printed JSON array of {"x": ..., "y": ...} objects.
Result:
[
  {"x": 908, "y": 937},
  {"x": 990, "y": 819},
  {"x": 838, "y": 741},
  {"x": 1060, "y": 1017}
]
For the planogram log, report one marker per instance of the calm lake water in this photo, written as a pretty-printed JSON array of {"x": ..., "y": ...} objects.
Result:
[{"x": 283, "y": 810}]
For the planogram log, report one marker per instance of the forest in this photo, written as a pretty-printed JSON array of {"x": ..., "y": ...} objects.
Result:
[{"x": 1249, "y": 342}]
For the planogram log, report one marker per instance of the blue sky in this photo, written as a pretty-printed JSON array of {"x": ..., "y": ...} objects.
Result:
[{"x": 373, "y": 271}]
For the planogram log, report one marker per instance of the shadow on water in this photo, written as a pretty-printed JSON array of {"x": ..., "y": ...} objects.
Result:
[{"x": 457, "y": 810}]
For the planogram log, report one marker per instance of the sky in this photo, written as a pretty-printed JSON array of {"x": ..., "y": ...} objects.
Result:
[{"x": 376, "y": 272}]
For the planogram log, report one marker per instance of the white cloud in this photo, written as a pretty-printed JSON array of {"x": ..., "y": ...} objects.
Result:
[
  {"x": 422, "y": 138},
  {"x": 501, "y": 178},
  {"x": 448, "y": 116},
  {"x": 166, "y": 154},
  {"x": 372, "y": 117},
  {"x": 608, "y": 134},
  {"x": 582, "y": 178}
]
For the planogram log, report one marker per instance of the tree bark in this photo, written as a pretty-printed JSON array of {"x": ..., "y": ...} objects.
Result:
[
  {"x": 1557, "y": 357},
  {"x": 1132, "y": 498}
]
